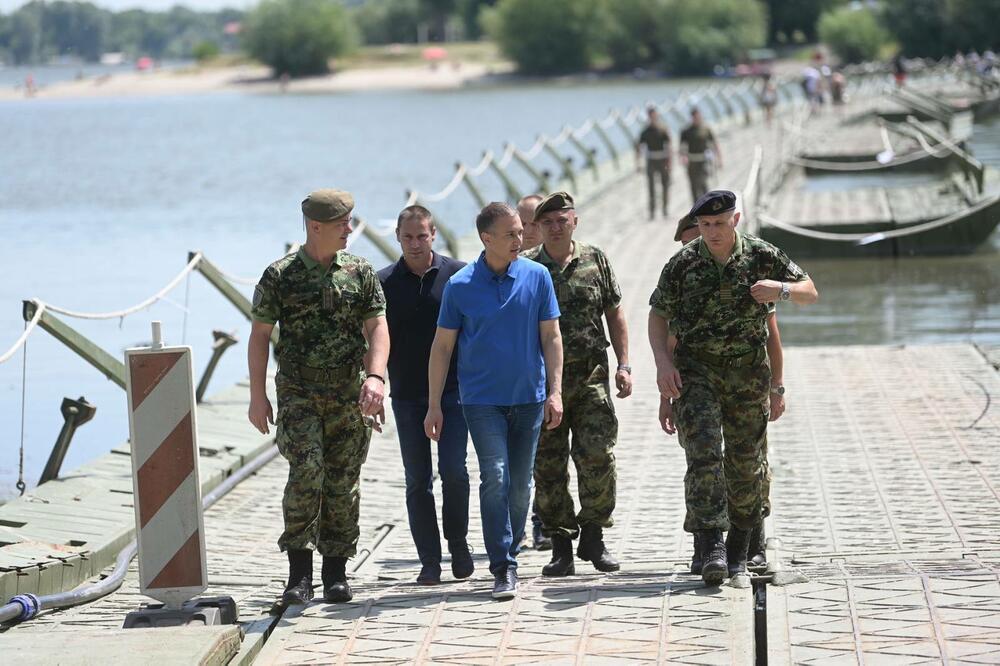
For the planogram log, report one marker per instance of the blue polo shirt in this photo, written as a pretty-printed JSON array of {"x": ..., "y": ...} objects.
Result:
[{"x": 499, "y": 348}]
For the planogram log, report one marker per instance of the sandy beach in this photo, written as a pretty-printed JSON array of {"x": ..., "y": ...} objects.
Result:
[{"x": 256, "y": 79}]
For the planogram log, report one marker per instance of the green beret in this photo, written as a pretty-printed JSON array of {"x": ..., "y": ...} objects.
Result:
[
  {"x": 555, "y": 201},
  {"x": 715, "y": 202},
  {"x": 327, "y": 205},
  {"x": 683, "y": 224}
]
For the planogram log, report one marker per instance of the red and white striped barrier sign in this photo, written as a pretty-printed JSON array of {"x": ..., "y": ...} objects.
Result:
[{"x": 168, "y": 514}]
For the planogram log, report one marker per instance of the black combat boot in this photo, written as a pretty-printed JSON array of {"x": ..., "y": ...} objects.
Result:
[
  {"x": 562, "y": 558},
  {"x": 757, "y": 553},
  {"x": 737, "y": 542},
  {"x": 335, "y": 587},
  {"x": 592, "y": 549},
  {"x": 713, "y": 556},
  {"x": 299, "y": 589},
  {"x": 696, "y": 558}
]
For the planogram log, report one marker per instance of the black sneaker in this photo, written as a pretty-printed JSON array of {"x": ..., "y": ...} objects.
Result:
[{"x": 505, "y": 583}]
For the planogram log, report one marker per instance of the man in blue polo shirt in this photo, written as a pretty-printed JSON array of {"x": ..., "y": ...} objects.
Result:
[
  {"x": 413, "y": 287},
  {"x": 502, "y": 312}
]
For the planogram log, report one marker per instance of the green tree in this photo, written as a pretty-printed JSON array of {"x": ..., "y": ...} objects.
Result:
[
  {"x": 74, "y": 28},
  {"x": 388, "y": 21},
  {"x": 298, "y": 37},
  {"x": 471, "y": 12},
  {"x": 633, "y": 36},
  {"x": 920, "y": 26},
  {"x": 788, "y": 17},
  {"x": 205, "y": 51},
  {"x": 550, "y": 37},
  {"x": 970, "y": 25},
  {"x": 699, "y": 34},
  {"x": 854, "y": 34},
  {"x": 25, "y": 45}
]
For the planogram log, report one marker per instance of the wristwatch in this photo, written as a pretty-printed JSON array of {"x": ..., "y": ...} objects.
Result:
[
  {"x": 778, "y": 390},
  {"x": 625, "y": 368},
  {"x": 786, "y": 293}
]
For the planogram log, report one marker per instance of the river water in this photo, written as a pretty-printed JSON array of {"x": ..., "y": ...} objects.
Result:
[{"x": 101, "y": 199}]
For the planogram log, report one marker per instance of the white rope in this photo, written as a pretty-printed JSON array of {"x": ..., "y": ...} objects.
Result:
[
  {"x": 40, "y": 308},
  {"x": 118, "y": 314},
  {"x": 583, "y": 130},
  {"x": 609, "y": 120},
  {"x": 449, "y": 188},
  {"x": 235, "y": 279},
  {"x": 481, "y": 168},
  {"x": 866, "y": 238},
  {"x": 535, "y": 150},
  {"x": 358, "y": 230},
  {"x": 508, "y": 155},
  {"x": 561, "y": 138}
]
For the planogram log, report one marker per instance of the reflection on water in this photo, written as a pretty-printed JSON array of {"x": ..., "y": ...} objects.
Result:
[{"x": 900, "y": 301}]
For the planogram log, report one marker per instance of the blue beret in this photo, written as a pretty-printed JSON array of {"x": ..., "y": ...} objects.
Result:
[{"x": 715, "y": 202}]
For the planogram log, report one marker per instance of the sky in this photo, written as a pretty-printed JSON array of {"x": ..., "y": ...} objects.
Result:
[{"x": 7, "y": 6}]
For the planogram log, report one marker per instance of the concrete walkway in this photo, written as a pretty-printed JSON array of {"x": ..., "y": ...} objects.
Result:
[{"x": 886, "y": 472}]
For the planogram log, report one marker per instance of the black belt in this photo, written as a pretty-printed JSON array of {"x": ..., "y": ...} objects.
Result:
[
  {"x": 749, "y": 359},
  {"x": 317, "y": 375}
]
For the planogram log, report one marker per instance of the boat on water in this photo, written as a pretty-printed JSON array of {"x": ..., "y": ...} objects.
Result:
[{"x": 953, "y": 213}]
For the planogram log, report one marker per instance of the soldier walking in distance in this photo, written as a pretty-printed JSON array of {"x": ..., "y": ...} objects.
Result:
[
  {"x": 331, "y": 374},
  {"x": 588, "y": 293},
  {"x": 413, "y": 287},
  {"x": 656, "y": 139},
  {"x": 699, "y": 152},
  {"x": 713, "y": 295}
]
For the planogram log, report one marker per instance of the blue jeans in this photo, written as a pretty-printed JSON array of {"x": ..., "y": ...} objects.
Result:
[
  {"x": 505, "y": 439},
  {"x": 415, "y": 448}
]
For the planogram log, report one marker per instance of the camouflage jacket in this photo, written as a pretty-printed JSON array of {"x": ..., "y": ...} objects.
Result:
[
  {"x": 320, "y": 312},
  {"x": 709, "y": 306},
  {"x": 584, "y": 289}
]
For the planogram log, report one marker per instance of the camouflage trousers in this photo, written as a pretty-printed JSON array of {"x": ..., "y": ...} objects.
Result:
[
  {"x": 321, "y": 435},
  {"x": 590, "y": 416},
  {"x": 721, "y": 419},
  {"x": 658, "y": 170},
  {"x": 698, "y": 173}
]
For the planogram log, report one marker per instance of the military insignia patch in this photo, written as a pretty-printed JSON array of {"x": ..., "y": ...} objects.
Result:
[{"x": 258, "y": 296}]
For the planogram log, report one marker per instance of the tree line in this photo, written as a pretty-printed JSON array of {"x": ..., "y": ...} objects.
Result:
[
  {"x": 541, "y": 37},
  {"x": 40, "y": 31}
]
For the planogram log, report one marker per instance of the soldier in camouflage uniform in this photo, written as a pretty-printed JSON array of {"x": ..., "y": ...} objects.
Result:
[
  {"x": 331, "y": 355},
  {"x": 587, "y": 292},
  {"x": 656, "y": 139},
  {"x": 699, "y": 152},
  {"x": 714, "y": 295},
  {"x": 687, "y": 231}
]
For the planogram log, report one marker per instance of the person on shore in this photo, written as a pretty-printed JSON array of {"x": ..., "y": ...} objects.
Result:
[
  {"x": 413, "y": 286},
  {"x": 699, "y": 153},
  {"x": 502, "y": 313},
  {"x": 687, "y": 231},
  {"x": 655, "y": 141},
  {"x": 588, "y": 293},
  {"x": 532, "y": 238},
  {"x": 331, "y": 376},
  {"x": 713, "y": 295}
]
